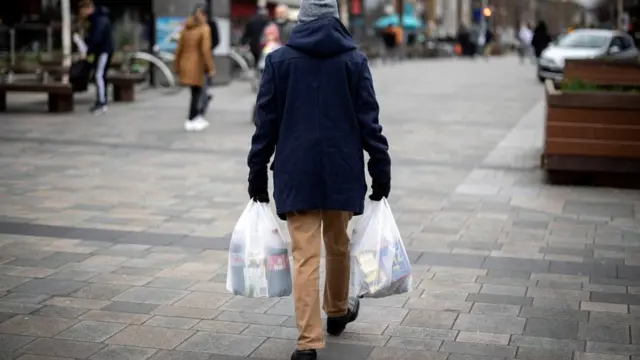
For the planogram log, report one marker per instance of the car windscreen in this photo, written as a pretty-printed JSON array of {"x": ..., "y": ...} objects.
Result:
[{"x": 582, "y": 40}]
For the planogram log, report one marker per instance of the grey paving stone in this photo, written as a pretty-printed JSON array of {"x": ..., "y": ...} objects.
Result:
[
  {"x": 49, "y": 287},
  {"x": 457, "y": 347},
  {"x": 578, "y": 207},
  {"x": 566, "y": 251},
  {"x": 100, "y": 291},
  {"x": 136, "y": 271},
  {"x": 471, "y": 357},
  {"x": 53, "y": 261},
  {"x": 517, "y": 264},
  {"x": 500, "y": 299},
  {"x": 149, "y": 336},
  {"x": 483, "y": 338},
  {"x": 169, "y": 283},
  {"x": 181, "y": 311},
  {"x": 612, "y": 348},
  {"x": 7, "y": 307},
  {"x": 224, "y": 327},
  {"x": 418, "y": 332},
  {"x": 179, "y": 355},
  {"x": 388, "y": 353},
  {"x": 60, "y": 311},
  {"x": 490, "y": 324},
  {"x": 6, "y": 316},
  {"x": 603, "y": 318},
  {"x": 13, "y": 342},
  {"x": 474, "y": 245},
  {"x": 615, "y": 298},
  {"x": 380, "y": 314},
  {"x": 430, "y": 319},
  {"x": 8, "y": 282},
  {"x": 6, "y": 355},
  {"x": 414, "y": 344},
  {"x": 455, "y": 260},
  {"x": 516, "y": 274},
  {"x": 593, "y": 356},
  {"x": 39, "y": 357},
  {"x": 116, "y": 317},
  {"x": 505, "y": 281},
  {"x": 554, "y": 313},
  {"x": 563, "y": 285},
  {"x": 151, "y": 296},
  {"x": 123, "y": 353},
  {"x": 150, "y": 238},
  {"x": 248, "y": 305},
  {"x": 31, "y": 325},
  {"x": 225, "y": 344},
  {"x": 503, "y": 290},
  {"x": 77, "y": 275},
  {"x": 531, "y": 353},
  {"x": 424, "y": 304},
  {"x": 559, "y": 329},
  {"x": 62, "y": 348},
  {"x": 171, "y": 322},
  {"x": 273, "y": 332},
  {"x": 242, "y": 317},
  {"x": 604, "y": 333},
  {"x": 25, "y": 298},
  {"x": 576, "y": 268},
  {"x": 495, "y": 309},
  {"x": 91, "y": 331},
  {"x": 130, "y": 307}
]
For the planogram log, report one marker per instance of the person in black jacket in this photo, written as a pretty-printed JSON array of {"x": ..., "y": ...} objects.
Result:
[
  {"x": 541, "y": 38},
  {"x": 252, "y": 35},
  {"x": 100, "y": 46}
]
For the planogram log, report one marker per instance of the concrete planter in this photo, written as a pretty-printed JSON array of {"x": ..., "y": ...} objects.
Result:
[{"x": 592, "y": 132}]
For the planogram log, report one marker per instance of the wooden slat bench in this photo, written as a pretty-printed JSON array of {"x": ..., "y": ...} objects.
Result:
[
  {"x": 124, "y": 85},
  {"x": 60, "y": 95}
]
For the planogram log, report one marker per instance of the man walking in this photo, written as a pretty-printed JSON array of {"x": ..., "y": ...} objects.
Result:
[
  {"x": 285, "y": 26},
  {"x": 317, "y": 106},
  {"x": 253, "y": 30},
  {"x": 100, "y": 48}
]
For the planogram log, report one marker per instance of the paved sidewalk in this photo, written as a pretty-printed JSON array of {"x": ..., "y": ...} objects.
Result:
[{"x": 114, "y": 233}]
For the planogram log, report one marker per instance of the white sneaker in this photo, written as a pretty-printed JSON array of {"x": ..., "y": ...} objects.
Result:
[
  {"x": 188, "y": 125},
  {"x": 199, "y": 124}
]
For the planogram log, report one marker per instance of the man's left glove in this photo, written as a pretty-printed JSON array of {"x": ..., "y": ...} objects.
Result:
[{"x": 259, "y": 191}]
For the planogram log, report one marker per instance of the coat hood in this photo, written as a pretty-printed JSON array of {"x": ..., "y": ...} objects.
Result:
[
  {"x": 322, "y": 38},
  {"x": 100, "y": 11}
]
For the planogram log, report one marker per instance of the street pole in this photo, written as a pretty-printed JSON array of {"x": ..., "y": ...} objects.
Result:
[
  {"x": 620, "y": 14},
  {"x": 483, "y": 18},
  {"x": 66, "y": 38}
]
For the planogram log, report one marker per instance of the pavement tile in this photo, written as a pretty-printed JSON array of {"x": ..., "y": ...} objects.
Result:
[
  {"x": 123, "y": 353},
  {"x": 151, "y": 296},
  {"x": 243, "y": 317},
  {"x": 495, "y": 309},
  {"x": 32, "y": 325},
  {"x": 241, "y": 303},
  {"x": 205, "y": 300},
  {"x": 388, "y": 353},
  {"x": 604, "y": 307},
  {"x": 76, "y": 302},
  {"x": 413, "y": 344},
  {"x": 612, "y": 348},
  {"x": 116, "y": 317},
  {"x": 149, "y": 336},
  {"x": 483, "y": 338},
  {"x": 49, "y": 287},
  {"x": 531, "y": 353},
  {"x": 21, "y": 298},
  {"x": 559, "y": 329},
  {"x": 500, "y": 299},
  {"x": 121, "y": 279},
  {"x": 554, "y": 313},
  {"x": 10, "y": 342},
  {"x": 270, "y": 331},
  {"x": 39, "y": 357},
  {"x": 418, "y": 332},
  {"x": 430, "y": 319},
  {"x": 179, "y": 355},
  {"x": 188, "y": 312},
  {"x": 226, "y": 344},
  {"x": 490, "y": 324},
  {"x": 100, "y": 291},
  {"x": 8, "y": 282},
  {"x": 593, "y": 356},
  {"x": 458, "y": 347},
  {"x": 604, "y": 333},
  {"x": 130, "y": 307},
  {"x": 60, "y": 312},
  {"x": 171, "y": 322},
  {"x": 217, "y": 326},
  {"x": 62, "y": 348}
]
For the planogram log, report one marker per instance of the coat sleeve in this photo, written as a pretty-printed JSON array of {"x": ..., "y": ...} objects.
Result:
[
  {"x": 178, "y": 53},
  {"x": 205, "y": 49},
  {"x": 265, "y": 138},
  {"x": 373, "y": 142},
  {"x": 97, "y": 32}
]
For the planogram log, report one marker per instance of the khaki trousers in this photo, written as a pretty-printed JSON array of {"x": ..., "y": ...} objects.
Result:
[{"x": 307, "y": 230}]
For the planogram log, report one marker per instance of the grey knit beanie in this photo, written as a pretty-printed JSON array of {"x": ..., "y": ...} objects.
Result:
[{"x": 313, "y": 9}]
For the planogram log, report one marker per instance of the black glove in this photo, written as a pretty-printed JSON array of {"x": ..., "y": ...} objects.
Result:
[
  {"x": 259, "y": 192},
  {"x": 379, "y": 191}
]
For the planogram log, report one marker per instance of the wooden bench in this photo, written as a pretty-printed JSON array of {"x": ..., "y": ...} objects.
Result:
[
  {"x": 124, "y": 85},
  {"x": 60, "y": 95}
]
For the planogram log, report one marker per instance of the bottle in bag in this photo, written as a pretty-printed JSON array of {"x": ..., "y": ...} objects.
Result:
[{"x": 279, "y": 273}]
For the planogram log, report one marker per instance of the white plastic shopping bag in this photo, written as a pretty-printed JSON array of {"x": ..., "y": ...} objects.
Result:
[
  {"x": 379, "y": 263},
  {"x": 258, "y": 255}
]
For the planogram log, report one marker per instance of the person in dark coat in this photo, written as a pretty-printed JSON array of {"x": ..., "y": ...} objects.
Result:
[
  {"x": 541, "y": 38},
  {"x": 317, "y": 110},
  {"x": 252, "y": 35},
  {"x": 99, "y": 46}
]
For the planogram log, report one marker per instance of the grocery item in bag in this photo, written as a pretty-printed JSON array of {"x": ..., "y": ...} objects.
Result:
[
  {"x": 258, "y": 256},
  {"x": 380, "y": 265}
]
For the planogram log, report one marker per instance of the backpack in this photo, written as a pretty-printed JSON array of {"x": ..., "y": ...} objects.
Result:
[{"x": 215, "y": 36}]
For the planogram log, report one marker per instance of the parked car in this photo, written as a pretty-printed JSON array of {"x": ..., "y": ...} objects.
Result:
[{"x": 584, "y": 44}]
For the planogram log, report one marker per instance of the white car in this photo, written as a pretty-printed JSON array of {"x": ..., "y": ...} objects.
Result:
[{"x": 584, "y": 44}]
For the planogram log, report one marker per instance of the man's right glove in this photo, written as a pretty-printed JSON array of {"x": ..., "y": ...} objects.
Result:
[
  {"x": 379, "y": 191},
  {"x": 259, "y": 191}
]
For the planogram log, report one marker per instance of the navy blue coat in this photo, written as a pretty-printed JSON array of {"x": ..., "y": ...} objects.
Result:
[
  {"x": 99, "y": 38},
  {"x": 316, "y": 108}
]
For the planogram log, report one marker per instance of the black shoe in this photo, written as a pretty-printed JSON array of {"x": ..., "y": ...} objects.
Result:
[
  {"x": 336, "y": 325},
  {"x": 304, "y": 355}
]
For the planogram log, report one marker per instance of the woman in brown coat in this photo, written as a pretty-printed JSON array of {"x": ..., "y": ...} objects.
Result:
[{"x": 194, "y": 60}]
